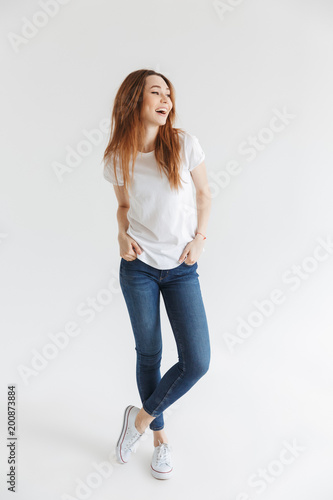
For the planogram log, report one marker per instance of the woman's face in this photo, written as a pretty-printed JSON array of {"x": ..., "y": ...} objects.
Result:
[{"x": 156, "y": 95}]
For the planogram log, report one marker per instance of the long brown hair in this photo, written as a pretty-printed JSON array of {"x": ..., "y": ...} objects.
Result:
[{"x": 127, "y": 131}]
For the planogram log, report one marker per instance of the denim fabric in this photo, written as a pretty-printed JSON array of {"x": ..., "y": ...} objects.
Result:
[{"x": 141, "y": 285}]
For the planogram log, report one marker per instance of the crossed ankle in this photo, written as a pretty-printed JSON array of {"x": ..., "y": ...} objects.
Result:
[
  {"x": 140, "y": 419},
  {"x": 139, "y": 428}
]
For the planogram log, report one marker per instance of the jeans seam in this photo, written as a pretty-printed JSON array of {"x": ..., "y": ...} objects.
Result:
[
  {"x": 181, "y": 375},
  {"x": 139, "y": 378},
  {"x": 159, "y": 429},
  {"x": 165, "y": 397},
  {"x": 145, "y": 409}
]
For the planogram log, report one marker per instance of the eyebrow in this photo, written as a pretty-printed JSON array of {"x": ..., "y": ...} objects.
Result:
[{"x": 167, "y": 88}]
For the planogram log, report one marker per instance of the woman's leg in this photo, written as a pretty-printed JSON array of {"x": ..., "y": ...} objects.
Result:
[
  {"x": 142, "y": 296},
  {"x": 185, "y": 308}
]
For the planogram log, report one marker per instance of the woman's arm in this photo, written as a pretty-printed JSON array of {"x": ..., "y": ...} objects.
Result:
[
  {"x": 203, "y": 197},
  {"x": 195, "y": 247},
  {"x": 128, "y": 247},
  {"x": 123, "y": 207}
]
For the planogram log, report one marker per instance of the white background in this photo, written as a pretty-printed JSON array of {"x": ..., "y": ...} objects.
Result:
[{"x": 59, "y": 249}]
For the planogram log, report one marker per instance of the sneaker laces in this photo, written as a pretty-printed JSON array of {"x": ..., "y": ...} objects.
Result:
[
  {"x": 133, "y": 442},
  {"x": 163, "y": 454}
]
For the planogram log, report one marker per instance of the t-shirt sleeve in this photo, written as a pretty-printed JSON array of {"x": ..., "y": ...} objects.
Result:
[
  {"x": 108, "y": 173},
  {"x": 195, "y": 153}
]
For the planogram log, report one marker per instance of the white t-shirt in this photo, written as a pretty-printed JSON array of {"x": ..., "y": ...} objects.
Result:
[{"x": 161, "y": 220}]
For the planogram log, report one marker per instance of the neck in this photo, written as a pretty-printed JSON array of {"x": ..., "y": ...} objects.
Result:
[{"x": 151, "y": 132}]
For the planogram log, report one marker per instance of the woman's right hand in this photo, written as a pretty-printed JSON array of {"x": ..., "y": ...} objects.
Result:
[{"x": 128, "y": 247}]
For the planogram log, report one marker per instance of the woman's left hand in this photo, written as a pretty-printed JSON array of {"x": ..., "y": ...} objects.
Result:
[{"x": 193, "y": 250}]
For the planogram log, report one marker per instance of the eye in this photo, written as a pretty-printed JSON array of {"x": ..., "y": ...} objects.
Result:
[{"x": 155, "y": 92}]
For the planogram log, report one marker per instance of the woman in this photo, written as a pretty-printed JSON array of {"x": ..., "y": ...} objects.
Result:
[{"x": 161, "y": 237}]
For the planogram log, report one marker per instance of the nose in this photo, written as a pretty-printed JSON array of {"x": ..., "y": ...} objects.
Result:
[{"x": 164, "y": 100}]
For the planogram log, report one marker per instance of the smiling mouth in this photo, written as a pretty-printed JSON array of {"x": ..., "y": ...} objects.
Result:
[{"x": 162, "y": 112}]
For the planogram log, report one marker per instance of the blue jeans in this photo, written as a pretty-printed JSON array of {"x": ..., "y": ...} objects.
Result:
[{"x": 141, "y": 285}]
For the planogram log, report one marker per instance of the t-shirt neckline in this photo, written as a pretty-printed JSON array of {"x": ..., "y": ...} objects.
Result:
[{"x": 149, "y": 152}]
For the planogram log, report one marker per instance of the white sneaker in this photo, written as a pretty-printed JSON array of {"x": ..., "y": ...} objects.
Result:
[
  {"x": 129, "y": 436},
  {"x": 161, "y": 464}
]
